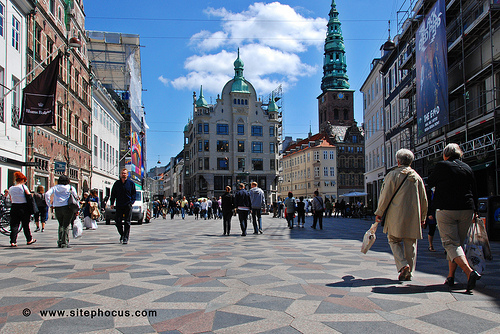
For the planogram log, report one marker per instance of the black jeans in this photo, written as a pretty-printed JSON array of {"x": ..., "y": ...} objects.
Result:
[
  {"x": 318, "y": 215},
  {"x": 19, "y": 215},
  {"x": 243, "y": 216},
  {"x": 301, "y": 216},
  {"x": 123, "y": 218},
  {"x": 227, "y": 221},
  {"x": 65, "y": 216}
]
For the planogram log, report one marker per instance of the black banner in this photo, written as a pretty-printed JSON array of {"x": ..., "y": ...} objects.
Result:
[{"x": 39, "y": 97}]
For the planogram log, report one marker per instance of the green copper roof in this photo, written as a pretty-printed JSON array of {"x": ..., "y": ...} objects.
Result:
[
  {"x": 201, "y": 102},
  {"x": 239, "y": 84},
  {"x": 334, "y": 65},
  {"x": 272, "y": 105}
]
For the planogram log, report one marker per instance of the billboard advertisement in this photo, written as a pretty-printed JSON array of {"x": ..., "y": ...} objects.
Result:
[
  {"x": 432, "y": 71},
  {"x": 135, "y": 162}
]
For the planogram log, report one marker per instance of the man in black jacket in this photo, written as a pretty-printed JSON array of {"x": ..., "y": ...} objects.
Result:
[{"x": 124, "y": 192}]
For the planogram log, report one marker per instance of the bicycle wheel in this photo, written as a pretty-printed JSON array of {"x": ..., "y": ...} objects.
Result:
[{"x": 5, "y": 224}]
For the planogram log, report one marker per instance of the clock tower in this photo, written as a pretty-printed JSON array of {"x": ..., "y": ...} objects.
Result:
[{"x": 336, "y": 102}]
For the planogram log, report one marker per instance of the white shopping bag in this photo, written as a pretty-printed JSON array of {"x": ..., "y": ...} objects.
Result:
[
  {"x": 369, "y": 238},
  {"x": 77, "y": 228}
]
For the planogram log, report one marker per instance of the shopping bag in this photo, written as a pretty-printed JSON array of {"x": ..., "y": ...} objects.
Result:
[
  {"x": 475, "y": 256},
  {"x": 77, "y": 228},
  {"x": 477, "y": 235},
  {"x": 369, "y": 238},
  {"x": 94, "y": 210}
]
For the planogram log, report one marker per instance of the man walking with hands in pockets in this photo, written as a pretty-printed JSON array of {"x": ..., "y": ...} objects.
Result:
[{"x": 124, "y": 193}]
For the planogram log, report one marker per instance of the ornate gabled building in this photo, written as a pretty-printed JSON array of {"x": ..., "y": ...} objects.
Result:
[{"x": 234, "y": 140}]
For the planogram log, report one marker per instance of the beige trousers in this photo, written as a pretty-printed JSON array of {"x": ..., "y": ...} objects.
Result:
[
  {"x": 404, "y": 251},
  {"x": 453, "y": 227}
]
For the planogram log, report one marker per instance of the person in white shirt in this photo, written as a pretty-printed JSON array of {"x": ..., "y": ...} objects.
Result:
[
  {"x": 19, "y": 213},
  {"x": 57, "y": 197}
]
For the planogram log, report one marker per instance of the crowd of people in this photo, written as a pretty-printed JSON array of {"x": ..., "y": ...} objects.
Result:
[{"x": 448, "y": 203}]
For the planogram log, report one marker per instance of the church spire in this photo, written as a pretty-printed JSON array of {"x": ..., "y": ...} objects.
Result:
[{"x": 334, "y": 65}]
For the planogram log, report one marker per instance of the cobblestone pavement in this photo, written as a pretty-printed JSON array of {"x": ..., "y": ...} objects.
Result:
[{"x": 183, "y": 276}]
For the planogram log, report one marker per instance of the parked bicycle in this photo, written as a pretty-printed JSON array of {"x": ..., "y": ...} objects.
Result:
[{"x": 5, "y": 220}]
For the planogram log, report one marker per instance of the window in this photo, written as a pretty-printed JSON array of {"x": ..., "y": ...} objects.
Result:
[
  {"x": 95, "y": 149},
  {"x": 205, "y": 128},
  {"x": 272, "y": 164},
  {"x": 2, "y": 16},
  {"x": 200, "y": 164},
  {"x": 38, "y": 40},
  {"x": 316, "y": 171},
  {"x": 256, "y": 130},
  {"x": 200, "y": 146},
  {"x": 325, "y": 155},
  {"x": 200, "y": 128},
  {"x": 332, "y": 171},
  {"x": 271, "y": 131},
  {"x": 241, "y": 129},
  {"x": 316, "y": 156},
  {"x": 325, "y": 171},
  {"x": 241, "y": 146},
  {"x": 207, "y": 163},
  {"x": 332, "y": 155},
  {"x": 16, "y": 31},
  {"x": 257, "y": 164},
  {"x": 256, "y": 147},
  {"x": 222, "y": 163},
  {"x": 241, "y": 163},
  {"x": 206, "y": 146},
  {"x": 15, "y": 103},
  {"x": 222, "y": 146},
  {"x": 2, "y": 102},
  {"x": 222, "y": 129},
  {"x": 52, "y": 7},
  {"x": 271, "y": 147}
]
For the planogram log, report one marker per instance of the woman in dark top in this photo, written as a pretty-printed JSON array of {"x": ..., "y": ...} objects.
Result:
[
  {"x": 455, "y": 201},
  {"x": 227, "y": 210}
]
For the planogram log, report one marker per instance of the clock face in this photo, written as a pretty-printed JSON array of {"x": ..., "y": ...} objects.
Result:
[{"x": 340, "y": 95}]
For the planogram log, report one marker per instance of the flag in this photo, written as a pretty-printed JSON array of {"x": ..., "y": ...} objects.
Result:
[{"x": 39, "y": 97}]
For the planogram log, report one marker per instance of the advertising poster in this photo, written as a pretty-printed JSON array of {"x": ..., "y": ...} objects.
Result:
[{"x": 432, "y": 71}]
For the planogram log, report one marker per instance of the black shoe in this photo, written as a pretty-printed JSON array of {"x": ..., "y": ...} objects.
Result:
[
  {"x": 260, "y": 231},
  {"x": 125, "y": 241},
  {"x": 471, "y": 282},
  {"x": 243, "y": 234},
  {"x": 313, "y": 227},
  {"x": 450, "y": 281},
  {"x": 255, "y": 232}
]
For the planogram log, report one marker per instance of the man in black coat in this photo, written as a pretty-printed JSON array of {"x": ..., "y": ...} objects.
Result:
[
  {"x": 227, "y": 210},
  {"x": 243, "y": 204},
  {"x": 124, "y": 192}
]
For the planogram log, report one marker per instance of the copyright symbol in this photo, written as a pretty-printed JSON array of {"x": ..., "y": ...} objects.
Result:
[{"x": 26, "y": 312}]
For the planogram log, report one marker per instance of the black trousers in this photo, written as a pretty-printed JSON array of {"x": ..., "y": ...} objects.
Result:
[
  {"x": 123, "y": 218},
  {"x": 227, "y": 221},
  {"x": 318, "y": 216},
  {"x": 243, "y": 216},
  {"x": 19, "y": 215}
]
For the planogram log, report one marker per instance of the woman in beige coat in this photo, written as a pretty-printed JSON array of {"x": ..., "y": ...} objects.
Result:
[{"x": 405, "y": 213}]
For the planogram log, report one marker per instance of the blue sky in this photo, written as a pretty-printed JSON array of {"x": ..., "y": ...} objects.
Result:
[{"x": 191, "y": 43}]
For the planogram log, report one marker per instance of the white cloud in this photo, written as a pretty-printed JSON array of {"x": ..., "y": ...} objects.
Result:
[
  {"x": 163, "y": 80},
  {"x": 271, "y": 38}
]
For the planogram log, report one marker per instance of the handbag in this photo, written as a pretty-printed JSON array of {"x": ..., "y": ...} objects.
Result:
[
  {"x": 369, "y": 238},
  {"x": 32, "y": 207},
  {"x": 73, "y": 202},
  {"x": 382, "y": 220}
]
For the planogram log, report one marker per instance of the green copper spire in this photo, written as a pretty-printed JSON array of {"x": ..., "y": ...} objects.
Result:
[
  {"x": 273, "y": 107},
  {"x": 201, "y": 102},
  {"x": 334, "y": 65},
  {"x": 239, "y": 84}
]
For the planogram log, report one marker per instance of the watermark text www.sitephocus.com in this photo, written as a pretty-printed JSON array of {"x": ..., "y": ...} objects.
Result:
[{"x": 93, "y": 313}]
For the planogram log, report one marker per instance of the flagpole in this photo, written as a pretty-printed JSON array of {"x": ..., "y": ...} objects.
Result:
[{"x": 30, "y": 73}]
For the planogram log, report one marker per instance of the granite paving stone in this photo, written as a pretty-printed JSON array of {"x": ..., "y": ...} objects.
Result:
[{"x": 191, "y": 279}]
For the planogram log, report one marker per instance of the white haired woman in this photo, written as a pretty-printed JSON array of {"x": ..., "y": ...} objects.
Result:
[
  {"x": 404, "y": 198},
  {"x": 455, "y": 200}
]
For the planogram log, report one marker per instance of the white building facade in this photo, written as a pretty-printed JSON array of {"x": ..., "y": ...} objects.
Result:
[
  {"x": 13, "y": 41},
  {"x": 105, "y": 140},
  {"x": 373, "y": 119}
]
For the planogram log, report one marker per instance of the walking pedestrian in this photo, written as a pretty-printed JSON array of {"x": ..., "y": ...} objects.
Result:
[
  {"x": 455, "y": 201},
  {"x": 57, "y": 197},
  {"x": 243, "y": 204},
  {"x": 301, "y": 212},
  {"x": 227, "y": 204},
  {"x": 124, "y": 193},
  {"x": 41, "y": 215},
  {"x": 318, "y": 210},
  {"x": 405, "y": 213},
  {"x": 257, "y": 200},
  {"x": 184, "y": 206},
  {"x": 19, "y": 212},
  {"x": 289, "y": 204}
]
